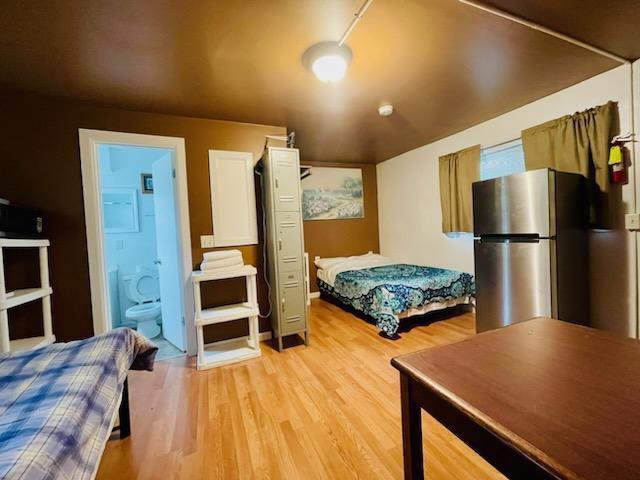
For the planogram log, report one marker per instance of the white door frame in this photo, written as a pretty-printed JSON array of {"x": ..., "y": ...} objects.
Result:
[{"x": 89, "y": 142}]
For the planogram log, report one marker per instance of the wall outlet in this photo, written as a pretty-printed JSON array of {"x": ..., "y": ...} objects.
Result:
[
  {"x": 632, "y": 221},
  {"x": 206, "y": 241}
]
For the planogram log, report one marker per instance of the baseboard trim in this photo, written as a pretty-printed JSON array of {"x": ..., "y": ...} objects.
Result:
[
  {"x": 263, "y": 336},
  {"x": 314, "y": 295}
]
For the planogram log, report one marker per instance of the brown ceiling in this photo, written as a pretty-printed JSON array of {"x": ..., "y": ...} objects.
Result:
[
  {"x": 445, "y": 66},
  {"x": 613, "y": 25}
]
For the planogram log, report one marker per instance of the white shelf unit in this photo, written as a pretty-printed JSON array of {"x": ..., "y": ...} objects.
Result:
[
  {"x": 14, "y": 298},
  {"x": 236, "y": 349}
]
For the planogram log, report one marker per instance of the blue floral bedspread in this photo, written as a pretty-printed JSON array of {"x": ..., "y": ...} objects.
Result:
[{"x": 384, "y": 292}]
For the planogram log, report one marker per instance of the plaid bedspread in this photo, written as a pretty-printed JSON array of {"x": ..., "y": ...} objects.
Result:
[{"x": 57, "y": 403}]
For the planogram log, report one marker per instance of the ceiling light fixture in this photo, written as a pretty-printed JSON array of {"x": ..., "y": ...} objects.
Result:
[{"x": 329, "y": 60}]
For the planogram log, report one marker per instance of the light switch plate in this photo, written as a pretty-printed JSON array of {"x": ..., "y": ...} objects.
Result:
[
  {"x": 632, "y": 221},
  {"x": 206, "y": 241}
]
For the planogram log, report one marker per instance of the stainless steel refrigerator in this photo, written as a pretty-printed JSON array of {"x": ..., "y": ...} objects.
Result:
[{"x": 530, "y": 248}]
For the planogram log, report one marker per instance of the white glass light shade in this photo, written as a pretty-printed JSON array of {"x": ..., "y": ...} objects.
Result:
[{"x": 328, "y": 61}]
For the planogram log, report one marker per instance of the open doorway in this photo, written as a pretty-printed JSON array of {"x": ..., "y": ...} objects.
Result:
[
  {"x": 137, "y": 236},
  {"x": 141, "y": 243}
]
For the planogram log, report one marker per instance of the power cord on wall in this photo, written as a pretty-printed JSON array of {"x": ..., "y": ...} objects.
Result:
[{"x": 264, "y": 247}]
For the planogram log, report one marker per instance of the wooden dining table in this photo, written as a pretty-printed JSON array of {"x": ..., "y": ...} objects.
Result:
[{"x": 537, "y": 399}]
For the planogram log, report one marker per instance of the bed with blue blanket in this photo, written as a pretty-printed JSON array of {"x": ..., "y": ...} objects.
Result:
[
  {"x": 58, "y": 404},
  {"x": 387, "y": 291}
]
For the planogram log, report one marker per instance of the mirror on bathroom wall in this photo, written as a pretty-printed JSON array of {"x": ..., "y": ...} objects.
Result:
[{"x": 120, "y": 210}]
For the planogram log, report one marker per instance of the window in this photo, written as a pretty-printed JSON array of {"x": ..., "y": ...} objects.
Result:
[
  {"x": 501, "y": 160},
  {"x": 498, "y": 161}
]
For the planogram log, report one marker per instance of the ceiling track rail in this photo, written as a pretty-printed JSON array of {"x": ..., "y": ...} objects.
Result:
[
  {"x": 356, "y": 18},
  {"x": 535, "y": 26}
]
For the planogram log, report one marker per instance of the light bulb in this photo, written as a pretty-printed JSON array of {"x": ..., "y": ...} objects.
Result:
[
  {"x": 328, "y": 61},
  {"x": 330, "y": 68}
]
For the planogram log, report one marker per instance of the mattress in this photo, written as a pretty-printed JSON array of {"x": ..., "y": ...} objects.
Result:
[{"x": 58, "y": 403}]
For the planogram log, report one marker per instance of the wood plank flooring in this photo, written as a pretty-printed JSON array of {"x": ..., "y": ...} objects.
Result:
[{"x": 331, "y": 410}]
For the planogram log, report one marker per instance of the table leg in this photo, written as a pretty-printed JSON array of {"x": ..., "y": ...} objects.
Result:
[{"x": 411, "y": 432}]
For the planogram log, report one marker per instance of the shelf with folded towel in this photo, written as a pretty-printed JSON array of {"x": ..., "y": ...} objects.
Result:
[
  {"x": 222, "y": 261},
  {"x": 221, "y": 353}
]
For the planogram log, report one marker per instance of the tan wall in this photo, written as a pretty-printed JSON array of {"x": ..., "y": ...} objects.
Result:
[
  {"x": 40, "y": 167},
  {"x": 338, "y": 238}
]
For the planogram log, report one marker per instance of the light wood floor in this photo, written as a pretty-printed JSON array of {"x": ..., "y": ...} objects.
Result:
[{"x": 330, "y": 410}]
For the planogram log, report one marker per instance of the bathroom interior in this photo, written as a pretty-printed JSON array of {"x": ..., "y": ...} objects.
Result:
[{"x": 140, "y": 243}]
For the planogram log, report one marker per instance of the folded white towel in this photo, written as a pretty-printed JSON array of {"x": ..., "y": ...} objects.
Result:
[
  {"x": 220, "y": 254},
  {"x": 234, "y": 268},
  {"x": 224, "y": 262}
]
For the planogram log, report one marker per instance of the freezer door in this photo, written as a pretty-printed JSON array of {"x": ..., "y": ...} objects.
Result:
[
  {"x": 513, "y": 282},
  {"x": 518, "y": 204}
]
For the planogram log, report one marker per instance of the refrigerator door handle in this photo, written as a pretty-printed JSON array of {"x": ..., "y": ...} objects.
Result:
[{"x": 524, "y": 238}]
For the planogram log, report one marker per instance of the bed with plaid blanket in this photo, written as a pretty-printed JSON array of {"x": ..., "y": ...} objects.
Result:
[{"x": 58, "y": 404}]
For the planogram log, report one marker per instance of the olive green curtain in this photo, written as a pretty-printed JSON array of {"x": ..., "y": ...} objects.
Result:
[
  {"x": 577, "y": 143},
  {"x": 457, "y": 172}
]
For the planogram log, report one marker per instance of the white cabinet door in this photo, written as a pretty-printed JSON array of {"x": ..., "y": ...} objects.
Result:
[{"x": 233, "y": 198}]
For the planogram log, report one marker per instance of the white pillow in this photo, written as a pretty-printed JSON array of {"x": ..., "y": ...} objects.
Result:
[
  {"x": 368, "y": 256},
  {"x": 325, "y": 263}
]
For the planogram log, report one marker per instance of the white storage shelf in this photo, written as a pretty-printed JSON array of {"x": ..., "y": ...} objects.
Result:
[
  {"x": 22, "y": 296},
  {"x": 210, "y": 275},
  {"x": 23, "y": 242},
  {"x": 31, "y": 343},
  {"x": 228, "y": 351},
  {"x": 227, "y": 313},
  {"x": 15, "y": 298},
  {"x": 236, "y": 349}
]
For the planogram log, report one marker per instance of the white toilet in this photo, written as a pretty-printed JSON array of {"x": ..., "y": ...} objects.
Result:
[{"x": 143, "y": 289}]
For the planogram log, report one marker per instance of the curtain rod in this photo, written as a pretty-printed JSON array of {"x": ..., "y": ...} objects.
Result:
[
  {"x": 502, "y": 144},
  {"x": 540, "y": 28}
]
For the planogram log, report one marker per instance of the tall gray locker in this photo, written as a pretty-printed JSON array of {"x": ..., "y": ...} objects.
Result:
[{"x": 285, "y": 243}]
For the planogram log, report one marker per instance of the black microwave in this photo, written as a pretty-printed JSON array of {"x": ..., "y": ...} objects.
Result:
[{"x": 19, "y": 222}]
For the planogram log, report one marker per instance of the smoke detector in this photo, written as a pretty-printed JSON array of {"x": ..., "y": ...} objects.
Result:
[{"x": 385, "y": 110}]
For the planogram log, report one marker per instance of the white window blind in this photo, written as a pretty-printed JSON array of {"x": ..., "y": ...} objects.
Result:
[{"x": 501, "y": 160}]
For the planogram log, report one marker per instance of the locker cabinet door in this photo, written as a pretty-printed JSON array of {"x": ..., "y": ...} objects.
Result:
[
  {"x": 289, "y": 243},
  {"x": 286, "y": 175},
  {"x": 292, "y": 302}
]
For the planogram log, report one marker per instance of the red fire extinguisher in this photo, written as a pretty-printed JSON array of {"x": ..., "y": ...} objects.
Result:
[{"x": 616, "y": 165}]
